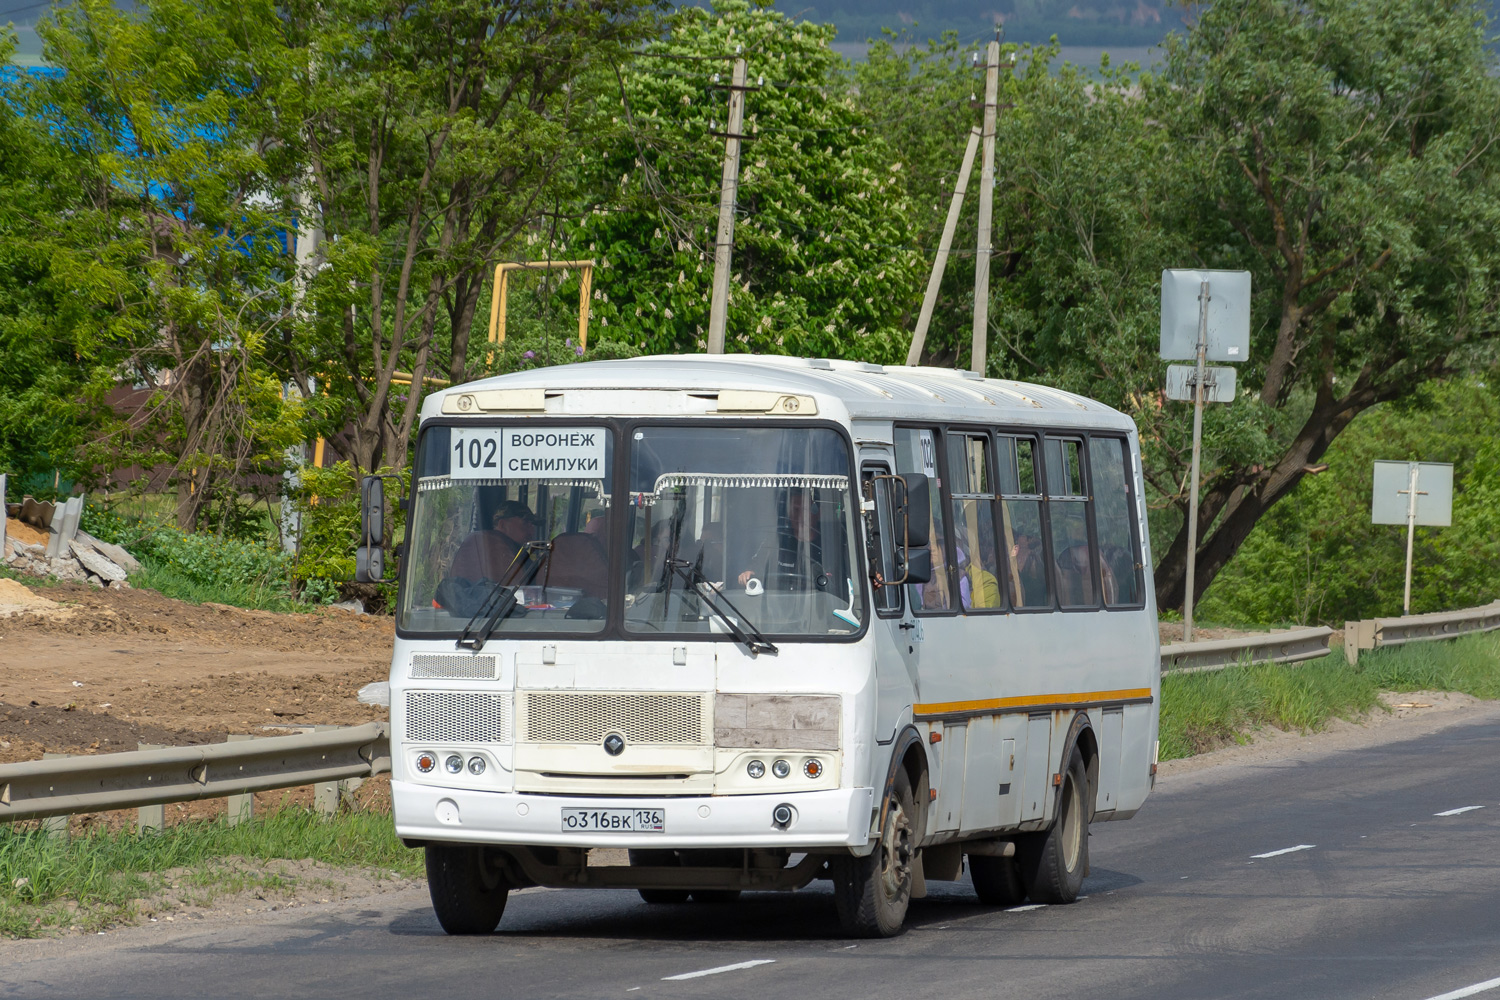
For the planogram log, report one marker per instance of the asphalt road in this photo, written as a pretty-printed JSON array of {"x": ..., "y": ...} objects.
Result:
[{"x": 1382, "y": 897}]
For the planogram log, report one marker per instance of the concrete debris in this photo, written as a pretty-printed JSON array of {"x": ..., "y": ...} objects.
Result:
[{"x": 81, "y": 558}]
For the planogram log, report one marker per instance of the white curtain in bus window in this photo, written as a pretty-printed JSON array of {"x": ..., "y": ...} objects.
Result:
[
  {"x": 1067, "y": 510},
  {"x": 1118, "y": 565},
  {"x": 916, "y": 451},
  {"x": 974, "y": 544},
  {"x": 1021, "y": 523}
]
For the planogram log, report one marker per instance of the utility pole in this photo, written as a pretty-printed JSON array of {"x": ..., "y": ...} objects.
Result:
[
  {"x": 728, "y": 191},
  {"x": 979, "y": 351},
  {"x": 929, "y": 301}
]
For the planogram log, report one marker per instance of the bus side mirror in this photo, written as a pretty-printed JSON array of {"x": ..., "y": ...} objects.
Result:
[
  {"x": 916, "y": 506},
  {"x": 918, "y": 565},
  {"x": 369, "y": 558}
]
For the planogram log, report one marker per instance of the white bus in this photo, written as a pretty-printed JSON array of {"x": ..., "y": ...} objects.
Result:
[{"x": 759, "y": 621}]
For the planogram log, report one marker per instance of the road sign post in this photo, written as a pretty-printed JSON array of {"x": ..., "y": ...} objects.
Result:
[
  {"x": 1225, "y": 339},
  {"x": 1412, "y": 493}
]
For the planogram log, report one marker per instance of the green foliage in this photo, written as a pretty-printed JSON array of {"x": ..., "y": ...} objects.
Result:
[
  {"x": 1317, "y": 558},
  {"x": 198, "y": 567},
  {"x": 105, "y": 874},
  {"x": 821, "y": 263}
]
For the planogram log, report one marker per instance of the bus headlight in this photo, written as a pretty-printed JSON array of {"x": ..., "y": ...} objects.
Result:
[
  {"x": 454, "y": 763},
  {"x": 756, "y": 769},
  {"x": 781, "y": 769},
  {"x": 476, "y": 766}
]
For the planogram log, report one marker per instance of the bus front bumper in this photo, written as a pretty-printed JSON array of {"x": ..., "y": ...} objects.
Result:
[{"x": 838, "y": 817}]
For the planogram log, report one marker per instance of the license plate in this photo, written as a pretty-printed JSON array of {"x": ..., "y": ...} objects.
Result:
[{"x": 614, "y": 820}]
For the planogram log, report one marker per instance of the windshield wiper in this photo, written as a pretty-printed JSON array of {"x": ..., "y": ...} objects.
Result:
[
  {"x": 502, "y": 600},
  {"x": 751, "y": 637}
]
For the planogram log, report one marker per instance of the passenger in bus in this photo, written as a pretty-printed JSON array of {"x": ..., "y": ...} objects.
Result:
[
  {"x": 794, "y": 559},
  {"x": 490, "y": 554},
  {"x": 1075, "y": 585},
  {"x": 977, "y": 586},
  {"x": 1026, "y": 556},
  {"x": 934, "y": 595}
]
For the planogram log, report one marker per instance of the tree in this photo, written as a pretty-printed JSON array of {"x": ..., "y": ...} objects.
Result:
[
  {"x": 1346, "y": 155},
  {"x": 823, "y": 263},
  {"x": 432, "y": 135},
  {"x": 171, "y": 250}
]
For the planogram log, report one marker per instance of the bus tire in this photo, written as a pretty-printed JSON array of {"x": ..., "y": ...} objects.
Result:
[
  {"x": 658, "y": 859},
  {"x": 871, "y": 894},
  {"x": 468, "y": 895},
  {"x": 997, "y": 881},
  {"x": 1052, "y": 864}
]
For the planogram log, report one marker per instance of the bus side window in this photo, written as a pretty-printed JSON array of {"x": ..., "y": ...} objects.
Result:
[
  {"x": 916, "y": 451},
  {"x": 1119, "y": 561},
  {"x": 1021, "y": 524},
  {"x": 881, "y": 539},
  {"x": 974, "y": 546},
  {"x": 1067, "y": 512}
]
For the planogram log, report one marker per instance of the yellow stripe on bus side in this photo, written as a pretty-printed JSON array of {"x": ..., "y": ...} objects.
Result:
[{"x": 1028, "y": 700}]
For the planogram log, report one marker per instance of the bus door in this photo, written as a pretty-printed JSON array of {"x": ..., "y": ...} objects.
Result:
[{"x": 896, "y": 632}]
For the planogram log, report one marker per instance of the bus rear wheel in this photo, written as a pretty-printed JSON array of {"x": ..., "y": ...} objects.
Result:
[
  {"x": 872, "y": 893},
  {"x": 468, "y": 892},
  {"x": 1052, "y": 864}
]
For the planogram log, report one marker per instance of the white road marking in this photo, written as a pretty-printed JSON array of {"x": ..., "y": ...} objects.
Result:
[
  {"x": 1460, "y": 809},
  {"x": 1468, "y": 991},
  {"x": 1028, "y": 906},
  {"x": 723, "y": 968},
  {"x": 1285, "y": 850}
]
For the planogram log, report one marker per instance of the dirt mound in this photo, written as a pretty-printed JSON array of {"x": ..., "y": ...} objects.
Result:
[
  {"x": 15, "y": 528},
  {"x": 145, "y": 612},
  {"x": 71, "y": 729}
]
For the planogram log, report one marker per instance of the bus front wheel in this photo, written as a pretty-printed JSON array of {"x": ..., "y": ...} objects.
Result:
[
  {"x": 872, "y": 893},
  {"x": 1052, "y": 863},
  {"x": 468, "y": 893}
]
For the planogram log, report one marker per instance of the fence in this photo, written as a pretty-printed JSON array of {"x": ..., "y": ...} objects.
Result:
[
  {"x": 1374, "y": 633},
  {"x": 61, "y": 786},
  {"x": 1311, "y": 643}
]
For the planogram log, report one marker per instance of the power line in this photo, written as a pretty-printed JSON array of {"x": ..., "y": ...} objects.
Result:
[{"x": 26, "y": 6}]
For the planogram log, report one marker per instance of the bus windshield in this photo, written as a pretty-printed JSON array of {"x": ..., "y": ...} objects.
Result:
[
  {"x": 757, "y": 519},
  {"x": 480, "y": 496},
  {"x": 725, "y": 529}
]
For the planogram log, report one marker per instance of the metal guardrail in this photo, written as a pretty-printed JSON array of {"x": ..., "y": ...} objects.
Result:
[
  {"x": 1272, "y": 647},
  {"x": 59, "y": 787},
  {"x": 1373, "y": 633}
]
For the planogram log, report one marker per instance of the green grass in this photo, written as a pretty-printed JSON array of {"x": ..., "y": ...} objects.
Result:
[
  {"x": 96, "y": 881},
  {"x": 1203, "y": 711},
  {"x": 169, "y": 582}
]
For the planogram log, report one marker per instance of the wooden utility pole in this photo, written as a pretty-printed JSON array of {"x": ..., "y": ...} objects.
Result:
[
  {"x": 986, "y": 207},
  {"x": 728, "y": 191},
  {"x": 919, "y": 338}
]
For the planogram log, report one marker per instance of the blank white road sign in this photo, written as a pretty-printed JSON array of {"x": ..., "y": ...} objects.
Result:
[
  {"x": 1228, "y": 315},
  {"x": 1434, "y": 493},
  {"x": 1219, "y": 387}
]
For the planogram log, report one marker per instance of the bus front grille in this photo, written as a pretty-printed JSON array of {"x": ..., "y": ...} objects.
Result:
[
  {"x": 453, "y": 667},
  {"x": 588, "y": 717},
  {"x": 457, "y": 717}
]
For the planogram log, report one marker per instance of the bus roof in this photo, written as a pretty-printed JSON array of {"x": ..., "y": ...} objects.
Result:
[{"x": 843, "y": 389}]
